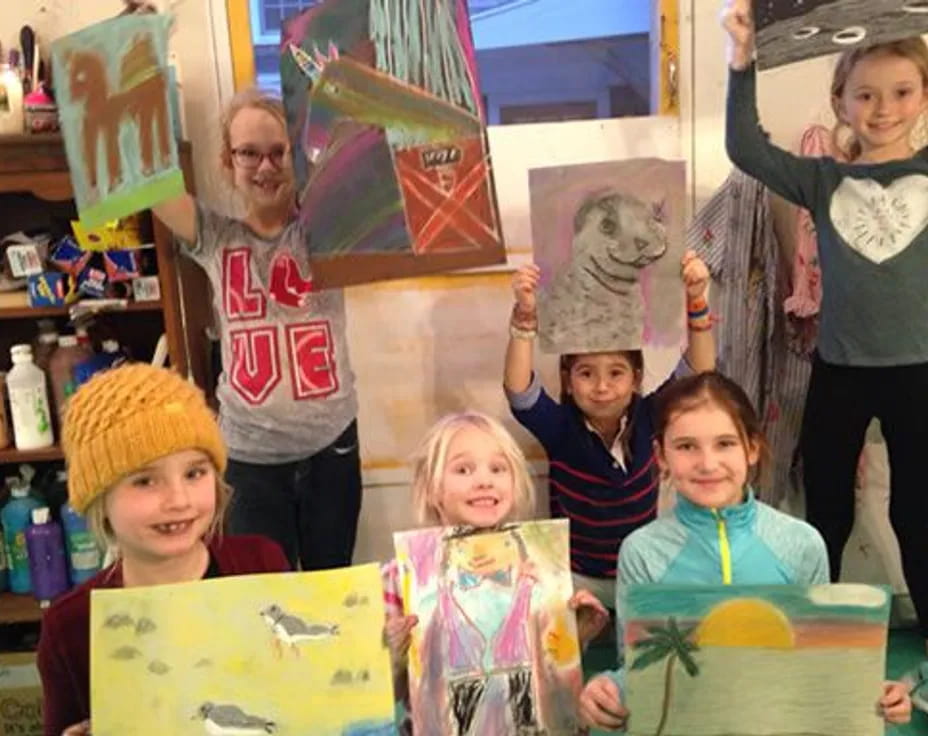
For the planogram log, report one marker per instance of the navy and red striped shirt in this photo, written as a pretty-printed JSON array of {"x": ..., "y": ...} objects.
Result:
[{"x": 604, "y": 501}]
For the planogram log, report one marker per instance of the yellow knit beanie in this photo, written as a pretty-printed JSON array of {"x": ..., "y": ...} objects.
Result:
[{"x": 124, "y": 418}]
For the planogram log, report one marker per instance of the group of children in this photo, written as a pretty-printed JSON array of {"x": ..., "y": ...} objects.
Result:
[{"x": 152, "y": 469}]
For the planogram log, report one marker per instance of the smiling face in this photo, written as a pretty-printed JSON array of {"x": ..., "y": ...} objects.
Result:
[
  {"x": 260, "y": 161},
  {"x": 602, "y": 384},
  {"x": 165, "y": 509},
  {"x": 706, "y": 456},
  {"x": 615, "y": 229},
  {"x": 477, "y": 484},
  {"x": 882, "y": 100}
]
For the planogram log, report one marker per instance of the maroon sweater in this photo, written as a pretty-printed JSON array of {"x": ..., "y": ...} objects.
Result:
[{"x": 64, "y": 647}]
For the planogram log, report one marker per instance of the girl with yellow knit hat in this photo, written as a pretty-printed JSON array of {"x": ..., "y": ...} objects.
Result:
[{"x": 145, "y": 460}]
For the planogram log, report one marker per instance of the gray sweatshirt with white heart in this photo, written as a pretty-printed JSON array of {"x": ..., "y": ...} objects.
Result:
[{"x": 870, "y": 221}]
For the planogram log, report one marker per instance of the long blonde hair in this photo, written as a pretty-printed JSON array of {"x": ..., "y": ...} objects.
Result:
[
  {"x": 429, "y": 464},
  {"x": 914, "y": 49}
]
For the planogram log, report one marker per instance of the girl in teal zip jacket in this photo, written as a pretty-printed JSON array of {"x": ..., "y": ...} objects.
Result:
[{"x": 707, "y": 439}]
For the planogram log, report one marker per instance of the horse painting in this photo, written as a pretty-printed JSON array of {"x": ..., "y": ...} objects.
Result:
[{"x": 141, "y": 97}]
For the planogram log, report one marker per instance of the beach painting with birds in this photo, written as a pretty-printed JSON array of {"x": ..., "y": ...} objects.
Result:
[
  {"x": 113, "y": 87},
  {"x": 386, "y": 123},
  {"x": 608, "y": 237},
  {"x": 738, "y": 660},
  {"x": 794, "y": 30},
  {"x": 287, "y": 653},
  {"x": 495, "y": 650}
]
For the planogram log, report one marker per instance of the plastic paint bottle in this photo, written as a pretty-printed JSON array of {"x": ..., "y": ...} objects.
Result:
[
  {"x": 26, "y": 385},
  {"x": 11, "y": 101},
  {"x": 47, "y": 566},
  {"x": 84, "y": 557},
  {"x": 16, "y": 517}
]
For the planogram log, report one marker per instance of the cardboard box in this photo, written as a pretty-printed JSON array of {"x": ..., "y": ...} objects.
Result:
[{"x": 20, "y": 695}]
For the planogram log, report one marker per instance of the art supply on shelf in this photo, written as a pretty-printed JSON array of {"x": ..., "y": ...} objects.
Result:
[
  {"x": 29, "y": 405},
  {"x": 84, "y": 556},
  {"x": 109, "y": 357},
  {"x": 61, "y": 369},
  {"x": 4, "y": 569},
  {"x": 47, "y": 563},
  {"x": 40, "y": 113},
  {"x": 16, "y": 517},
  {"x": 11, "y": 101},
  {"x": 6, "y": 435}
]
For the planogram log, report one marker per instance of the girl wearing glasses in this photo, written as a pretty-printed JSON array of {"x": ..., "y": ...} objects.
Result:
[{"x": 286, "y": 394}]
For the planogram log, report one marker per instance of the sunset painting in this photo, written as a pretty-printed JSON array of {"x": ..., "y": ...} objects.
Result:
[{"x": 754, "y": 660}]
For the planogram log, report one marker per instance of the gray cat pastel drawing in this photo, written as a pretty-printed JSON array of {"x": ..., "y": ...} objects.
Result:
[{"x": 596, "y": 297}]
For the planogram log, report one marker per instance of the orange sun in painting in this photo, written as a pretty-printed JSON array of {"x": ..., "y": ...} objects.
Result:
[{"x": 746, "y": 622}]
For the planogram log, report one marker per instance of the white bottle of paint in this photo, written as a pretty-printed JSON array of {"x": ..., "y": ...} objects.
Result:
[
  {"x": 25, "y": 383},
  {"x": 11, "y": 101}
]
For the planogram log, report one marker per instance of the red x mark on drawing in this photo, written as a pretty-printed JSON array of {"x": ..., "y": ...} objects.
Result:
[{"x": 452, "y": 210}]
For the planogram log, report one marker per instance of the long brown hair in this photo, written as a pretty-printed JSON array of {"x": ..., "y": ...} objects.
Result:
[
  {"x": 914, "y": 49},
  {"x": 711, "y": 387}
]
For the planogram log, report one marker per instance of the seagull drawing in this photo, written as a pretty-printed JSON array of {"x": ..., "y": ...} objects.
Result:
[
  {"x": 292, "y": 630},
  {"x": 230, "y": 720}
]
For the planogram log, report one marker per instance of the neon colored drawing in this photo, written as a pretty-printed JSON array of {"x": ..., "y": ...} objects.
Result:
[
  {"x": 113, "y": 95},
  {"x": 495, "y": 650}
]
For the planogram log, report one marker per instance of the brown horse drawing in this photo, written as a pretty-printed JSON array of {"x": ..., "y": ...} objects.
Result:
[{"x": 141, "y": 96}]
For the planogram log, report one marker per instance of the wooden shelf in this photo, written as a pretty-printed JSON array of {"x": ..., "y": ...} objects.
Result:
[
  {"x": 18, "y": 609},
  {"x": 39, "y": 312},
  {"x": 12, "y": 455}
]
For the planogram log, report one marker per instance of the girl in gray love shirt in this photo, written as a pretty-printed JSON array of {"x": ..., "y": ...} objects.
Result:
[{"x": 287, "y": 398}]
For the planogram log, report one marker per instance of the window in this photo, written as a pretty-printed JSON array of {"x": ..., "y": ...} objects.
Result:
[{"x": 538, "y": 60}]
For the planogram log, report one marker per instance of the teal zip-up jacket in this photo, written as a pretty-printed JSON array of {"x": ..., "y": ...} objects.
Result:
[{"x": 748, "y": 544}]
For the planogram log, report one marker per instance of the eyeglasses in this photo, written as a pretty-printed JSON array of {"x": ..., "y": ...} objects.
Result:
[{"x": 249, "y": 158}]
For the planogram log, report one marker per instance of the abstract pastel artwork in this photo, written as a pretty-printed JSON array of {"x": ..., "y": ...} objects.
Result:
[
  {"x": 754, "y": 660},
  {"x": 609, "y": 238},
  {"x": 292, "y": 653},
  {"x": 113, "y": 88},
  {"x": 495, "y": 650},
  {"x": 793, "y": 30},
  {"x": 390, "y": 151}
]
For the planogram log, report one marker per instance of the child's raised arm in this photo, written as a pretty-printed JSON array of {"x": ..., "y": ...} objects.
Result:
[
  {"x": 738, "y": 21},
  {"x": 523, "y": 327},
  {"x": 793, "y": 178},
  {"x": 180, "y": 216},
  {"x": 700, "y": 351}
]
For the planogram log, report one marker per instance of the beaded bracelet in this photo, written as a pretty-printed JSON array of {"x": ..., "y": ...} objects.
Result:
[
  {"x": 698, "y": 316},
  {"x": 522, "y": 334}
]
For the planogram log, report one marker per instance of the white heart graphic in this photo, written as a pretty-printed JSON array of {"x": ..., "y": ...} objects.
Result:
[{"x": 880, "y": 222}]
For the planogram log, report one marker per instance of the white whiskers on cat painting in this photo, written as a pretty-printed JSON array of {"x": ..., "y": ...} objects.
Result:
[{"x": 615, "y": 236}]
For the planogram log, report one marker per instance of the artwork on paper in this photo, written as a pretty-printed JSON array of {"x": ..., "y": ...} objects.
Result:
[
  {"x": 608, "y": 238},
  {"x": 739, "y": 660},
  {"x": 290, "y": 653},
  {"x": 793, "y": 30},
  {"x": 113, "y": 93},
  {"x": 390, "y": 150},
  {"x": 495, "y": 650}
]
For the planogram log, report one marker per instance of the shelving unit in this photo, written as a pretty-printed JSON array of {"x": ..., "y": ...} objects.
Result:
[
  {"x": 36, "y": 193},
  {"x": 42, "y": 312},
  {"x": 19, "y": 609},
  {"x": 11, "y": 455}
]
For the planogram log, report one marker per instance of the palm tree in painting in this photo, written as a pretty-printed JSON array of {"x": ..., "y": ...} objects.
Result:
[{"x": 673, "y": 644}]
